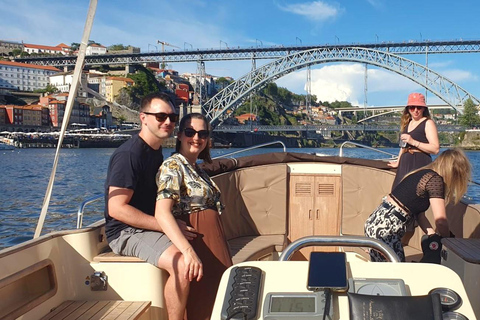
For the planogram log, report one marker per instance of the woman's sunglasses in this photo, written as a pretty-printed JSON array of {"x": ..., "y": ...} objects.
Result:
[
  {"x": 202, "y": 134},
  {"x": 415, "y": 107},
  {"x": 162, "y": 116}
]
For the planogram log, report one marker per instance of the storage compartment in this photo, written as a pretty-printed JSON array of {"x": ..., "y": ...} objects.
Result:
[{"x": 27, "y": 289}]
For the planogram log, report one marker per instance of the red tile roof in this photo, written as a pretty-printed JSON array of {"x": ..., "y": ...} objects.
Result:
[
  {"x": 27, "y": 65},
  {"x": 38, "y": 46},
  {"x": 120, "y": 79}
]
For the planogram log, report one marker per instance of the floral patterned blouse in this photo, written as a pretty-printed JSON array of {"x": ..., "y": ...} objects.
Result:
[{"x": 191, "y": 188}]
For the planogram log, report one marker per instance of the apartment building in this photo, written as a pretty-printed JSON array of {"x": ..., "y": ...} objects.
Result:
[
  {"x": 23, "y": 76},
  {"x": 113, "y": 86}
]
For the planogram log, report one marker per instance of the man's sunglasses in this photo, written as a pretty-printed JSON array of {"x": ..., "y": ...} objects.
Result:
[
  {"x": 162, "y": 116},
  {"x": 415, "y": 107},
  {"x": 202, "y": 134}
]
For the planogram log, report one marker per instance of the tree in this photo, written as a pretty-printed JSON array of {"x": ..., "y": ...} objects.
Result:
[
  {"x": 117, "y": 47},
  {"x": 145, "y": 83},
  {"x": 74, "y": 46},
  {"x": 470, "y": 117},
  {"x": 49, "y": 89}
]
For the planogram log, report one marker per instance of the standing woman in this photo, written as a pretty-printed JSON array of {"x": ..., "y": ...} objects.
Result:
[
  {"x": 419, "y": 136},
  {"x": 187, "y": 193},
  {"x": 443, "y": 181}
]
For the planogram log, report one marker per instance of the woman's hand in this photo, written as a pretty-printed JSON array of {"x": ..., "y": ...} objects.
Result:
[
  {"x": 393, "y": 163},
  {"x": 407, "y": 138},
  {"x": 188, "y": 232},
  {"x": 193, "y": 265}
]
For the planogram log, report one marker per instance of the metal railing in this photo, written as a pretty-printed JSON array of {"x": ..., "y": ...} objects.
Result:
[
  {"x": 252, "y": 148},
  {"x": 392, "y": 156},
  {"x": 348, "y": 241},
  {"x": 82, "y": 207}
]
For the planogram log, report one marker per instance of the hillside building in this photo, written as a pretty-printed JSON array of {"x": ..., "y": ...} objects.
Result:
[{"x": 24, "y": 77}]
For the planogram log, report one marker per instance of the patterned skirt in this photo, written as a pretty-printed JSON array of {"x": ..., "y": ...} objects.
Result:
[{"x": 388, "y": 224}]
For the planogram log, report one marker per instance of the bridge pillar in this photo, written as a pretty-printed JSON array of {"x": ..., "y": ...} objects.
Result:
[{"x": 129, "y": 68}]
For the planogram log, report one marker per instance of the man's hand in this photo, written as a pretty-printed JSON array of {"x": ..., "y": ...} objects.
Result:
[{"x": 188, "y": 232}]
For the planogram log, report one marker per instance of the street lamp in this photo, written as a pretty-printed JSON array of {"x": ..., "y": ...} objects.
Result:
[
  {"x": 148, "y": 48},
  {"x": 261, "y": 43},
  {"x": 338, "y": 40},
  {"x": 185, "y": 44},
  {"x": 297, "y": 38},
  {"x": 377, "y": 37},
  {"x": 226, "y": 44}
]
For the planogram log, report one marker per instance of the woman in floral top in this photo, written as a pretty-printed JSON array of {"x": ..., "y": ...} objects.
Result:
[{"x": 186, "y": 194}]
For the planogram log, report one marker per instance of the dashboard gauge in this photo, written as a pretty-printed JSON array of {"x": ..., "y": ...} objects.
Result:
[
  {"x": 450, "y": 315},
  {"x": 449, "y": 299}
]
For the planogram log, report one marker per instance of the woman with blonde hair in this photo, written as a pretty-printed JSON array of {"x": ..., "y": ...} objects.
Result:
[
  {"x": 418, "y": 138},
  {"x": 435, "y": 185}
]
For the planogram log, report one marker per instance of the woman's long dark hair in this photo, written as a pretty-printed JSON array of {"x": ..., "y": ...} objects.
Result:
[
  {"x": 205, "y": 154},
  {"x": 406, "y": 117}
]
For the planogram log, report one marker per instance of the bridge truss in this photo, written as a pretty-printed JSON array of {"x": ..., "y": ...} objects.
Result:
[
  {"x": 236, "y": 93},
  {"x": 242, "y": 53}
]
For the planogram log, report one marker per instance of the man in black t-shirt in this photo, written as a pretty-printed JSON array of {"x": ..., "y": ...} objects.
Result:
[{"x": 130, "y": 197}]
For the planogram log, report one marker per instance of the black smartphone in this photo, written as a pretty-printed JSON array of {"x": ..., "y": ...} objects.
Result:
[{"x": 327, "y": 270}]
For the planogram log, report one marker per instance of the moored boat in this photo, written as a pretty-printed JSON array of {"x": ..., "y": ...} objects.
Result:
[{"x": 5, "y": 146}]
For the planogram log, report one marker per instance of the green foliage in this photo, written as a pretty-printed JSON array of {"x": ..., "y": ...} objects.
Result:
[
  {"x": 121, "y": 119},
  {"x": 49, "y": 89},
  {"x": 117, "y": 47},
  {"x": 339, "y": 104},
  {"x": 470, "y": 117},
  {"x": 74, "y": 46},
  {"x": 145, "y": 83}
]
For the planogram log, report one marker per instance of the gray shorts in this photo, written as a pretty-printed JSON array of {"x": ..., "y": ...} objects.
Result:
[{"x": 144, "y": 244}]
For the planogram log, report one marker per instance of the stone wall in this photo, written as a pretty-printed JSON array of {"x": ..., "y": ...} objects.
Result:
[{"x": 471, "y": 141}]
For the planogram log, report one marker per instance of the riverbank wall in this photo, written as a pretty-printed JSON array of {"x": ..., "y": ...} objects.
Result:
[{"x": 471, "y": 140}]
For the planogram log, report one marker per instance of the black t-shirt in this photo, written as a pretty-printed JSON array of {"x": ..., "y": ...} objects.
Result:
[
  {"x": 415, "y": 190},
  {"x": 133, "y": 165}
]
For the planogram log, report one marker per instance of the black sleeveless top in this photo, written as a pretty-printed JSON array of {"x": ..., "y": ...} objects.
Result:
[
  {"x": 414, "y": 191},
  {"x": 418, "y": 133}
]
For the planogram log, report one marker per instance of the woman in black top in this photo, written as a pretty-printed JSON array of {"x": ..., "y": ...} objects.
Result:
[
  {"x": 418, "y": 135},
  {"x": 441, "y": 182}
]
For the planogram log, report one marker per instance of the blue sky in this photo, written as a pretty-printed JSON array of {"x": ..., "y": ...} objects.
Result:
[{"x": 214, "y": 23}]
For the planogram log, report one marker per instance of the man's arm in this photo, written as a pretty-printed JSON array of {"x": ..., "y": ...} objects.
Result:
[{"x": 120, "y": 209}]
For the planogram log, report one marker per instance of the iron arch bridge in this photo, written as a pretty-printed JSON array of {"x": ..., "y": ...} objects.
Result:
[{"x": 234, "y": 94}]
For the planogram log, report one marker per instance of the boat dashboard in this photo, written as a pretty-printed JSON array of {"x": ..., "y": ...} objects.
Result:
[{"x": 280, "y": 290}]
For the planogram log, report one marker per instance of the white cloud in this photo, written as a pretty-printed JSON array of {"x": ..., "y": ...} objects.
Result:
[
  {"x": 457, "y": 75},
  {"x": 316, "y": 10},
  {"x": 345, "y": 82}
]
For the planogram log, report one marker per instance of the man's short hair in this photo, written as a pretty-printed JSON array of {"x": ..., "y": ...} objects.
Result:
[{"x": 147, "y": 100}]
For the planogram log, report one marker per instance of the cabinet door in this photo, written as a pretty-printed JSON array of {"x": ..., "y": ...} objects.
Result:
[
  {"x": 327, "y": 207},
  {"x": 314, "y": 209},
  {"x": 301, "y": 211}
]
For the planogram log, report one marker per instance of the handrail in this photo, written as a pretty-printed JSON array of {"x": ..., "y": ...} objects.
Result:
[
  {"x": 366, "y": 147},
  {"x": 82, "y": 207},
  {"x": 349, "y": 241},
  {"x": 252, "y": 148}
]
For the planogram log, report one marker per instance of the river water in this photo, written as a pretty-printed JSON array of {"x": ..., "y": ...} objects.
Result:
[{"x": 24, "y": 175}]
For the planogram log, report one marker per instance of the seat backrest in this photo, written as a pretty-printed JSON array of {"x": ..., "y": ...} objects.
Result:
[
  {"x": 254, "y": 206},
  {"x": 363, "y": 189}
]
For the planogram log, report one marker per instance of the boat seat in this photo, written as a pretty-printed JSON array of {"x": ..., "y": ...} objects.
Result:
[
  {"x": 104, "y": 309},
  {"x": 255, "y": 247},
  {"x": 109, "y": 256}
]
